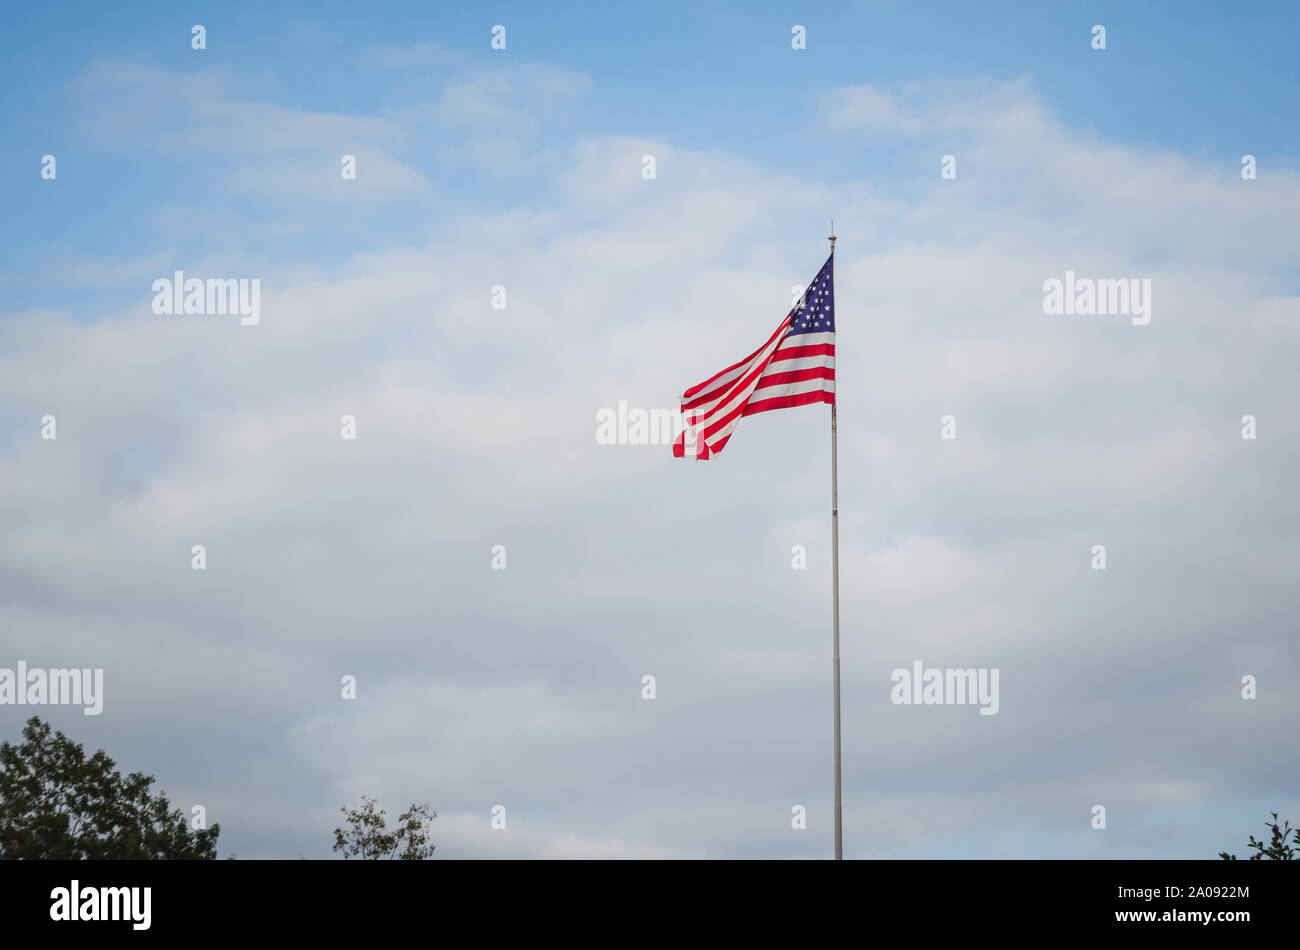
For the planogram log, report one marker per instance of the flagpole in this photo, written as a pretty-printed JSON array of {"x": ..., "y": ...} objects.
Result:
[{"x": 835, "y": 588}]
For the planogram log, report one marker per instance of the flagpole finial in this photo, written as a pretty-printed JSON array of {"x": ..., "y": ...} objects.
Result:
[{"x": 832, "y": 237}]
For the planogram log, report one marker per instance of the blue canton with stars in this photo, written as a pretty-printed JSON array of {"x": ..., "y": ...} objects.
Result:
[{"x": 815, "y": 311}]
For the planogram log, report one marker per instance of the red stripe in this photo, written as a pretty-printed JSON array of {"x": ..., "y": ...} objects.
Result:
[
  {"x": 795, "y": 376},
  {"x": 795, "y": 352},
  {"x": 721, "y": 422},
  {"x": 679, "y": 447},
  {"x": 709, "y": 396},
  {"x": 786, "y": 402}
]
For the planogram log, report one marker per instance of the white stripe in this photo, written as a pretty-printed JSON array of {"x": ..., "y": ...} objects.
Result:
[
  {"x": 794, "y": 389},
  {"x": 807, "y": 339},
  {"x": 803, "y": 362},
  {"x": 730, "y": 378}
]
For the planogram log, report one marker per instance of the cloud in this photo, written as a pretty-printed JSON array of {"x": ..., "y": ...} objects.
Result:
[
  {"x": 416, "y": 56},
  {"x": 263, "y": 148},
  {"x": 474, "y": 118},
  {"x": 152, "y": 110},
  {"x": 523, "y": 94},
  {"x": 116, "y": 273},
  {"x": 476, "y": 427},
  {"x": 929, "y": 109}
]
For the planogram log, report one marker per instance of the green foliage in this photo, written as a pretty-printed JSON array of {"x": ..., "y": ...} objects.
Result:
[
  {"x": 368, "y": 838},
  {"x": 55, "y": 803},
  {"x": 1278, "y": 849}
]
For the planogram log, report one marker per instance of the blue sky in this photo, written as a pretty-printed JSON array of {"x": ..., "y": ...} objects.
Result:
[
  {"x": 522, "y": 168},
  {"x": 1188, "y": 77}
]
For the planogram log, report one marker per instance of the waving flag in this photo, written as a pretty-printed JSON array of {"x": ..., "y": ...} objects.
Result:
[{"x": 795, "y": 367}]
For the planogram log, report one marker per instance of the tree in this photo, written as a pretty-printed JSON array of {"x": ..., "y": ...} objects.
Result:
[
  {"x": 367, "y": 836},
  {"x": 57, "y": 803},
  {"x": 1278, "y": 849}
]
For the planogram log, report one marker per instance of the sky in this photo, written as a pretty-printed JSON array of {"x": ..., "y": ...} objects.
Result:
[{"x": 517, "y": 176}]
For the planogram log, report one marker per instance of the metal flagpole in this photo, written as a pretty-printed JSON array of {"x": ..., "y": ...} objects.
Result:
[{"x": 835, "y": 572}]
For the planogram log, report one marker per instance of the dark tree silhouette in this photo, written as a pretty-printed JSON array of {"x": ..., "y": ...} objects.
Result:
[
  {"x": 1277, "y": 848},
  {"x": 367, "y": 836},
  {"x": 57, "y": 803}
]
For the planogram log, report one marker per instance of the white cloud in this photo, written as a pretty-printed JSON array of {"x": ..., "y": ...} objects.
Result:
[{"x": 476, "y": 428}]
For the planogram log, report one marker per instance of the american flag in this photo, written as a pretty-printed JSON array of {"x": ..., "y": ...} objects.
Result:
[{"x": 795, "y": 367}]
